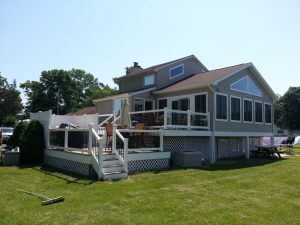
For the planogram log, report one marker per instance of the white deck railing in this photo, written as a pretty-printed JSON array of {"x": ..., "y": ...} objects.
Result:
[{"x": 169, "y": 118}]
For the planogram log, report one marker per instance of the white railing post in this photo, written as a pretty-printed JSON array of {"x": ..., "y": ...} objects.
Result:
[
  {"x": 66, "y": 143},
  {"x": 189, "y": 119},
  {"x": 165, "y": 117},
  {"x": 114, "y": 138},
  {"x": 161, "y": 141},
  {"x": 208, "y": 120},
  {"x": 126, "y": 154},
  {"x": 100, "y": 156},
  {"x": 90, "y": 144}
]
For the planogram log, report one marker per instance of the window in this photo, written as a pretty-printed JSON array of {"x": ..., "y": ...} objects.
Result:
[
  {"x": 221, "y": 107},
  {"x": 235, "y": 109},
  {"x": 268, "y": 117},
  {"x": 258, "y": 112},
  {"x": 200, "y": 103},
  {"x": 246, "y": 85},
  {"x": 149, "y": 80},
  {"x": 142, "y": 104},
  {"x": 162, "y": 103},
  {"x": 248, "y": 111},
  {"x": 181, "y": 104},
  {"x": 176, "y": 71}
]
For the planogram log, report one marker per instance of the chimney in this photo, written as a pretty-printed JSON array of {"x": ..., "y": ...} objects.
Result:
[{"x": 133, "y": 69}]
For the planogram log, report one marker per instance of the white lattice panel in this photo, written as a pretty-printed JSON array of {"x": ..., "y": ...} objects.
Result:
[
  {"x": 144, "y": 165},
  {"x": 68, "y": 165}
]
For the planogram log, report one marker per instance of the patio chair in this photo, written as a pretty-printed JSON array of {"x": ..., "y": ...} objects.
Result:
[{"x": 109, "y": 133}]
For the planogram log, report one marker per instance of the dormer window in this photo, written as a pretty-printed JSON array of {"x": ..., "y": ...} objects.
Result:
[
  {"x": 149, "y": 80},
  {"x": 176, "y": 71}
]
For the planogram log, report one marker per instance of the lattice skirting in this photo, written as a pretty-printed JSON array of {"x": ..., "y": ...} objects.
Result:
[
  {"x": 146, "y": 165},
  {"x": 183, "y": 144},
  {"x": 68, "y": 165}
]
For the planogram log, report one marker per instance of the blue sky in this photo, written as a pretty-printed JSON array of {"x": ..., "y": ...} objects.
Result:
[{"x": 104, "y": 37}]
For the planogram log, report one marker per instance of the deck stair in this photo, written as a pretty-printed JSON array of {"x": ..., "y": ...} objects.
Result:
[{"x": 113, "y": 167}]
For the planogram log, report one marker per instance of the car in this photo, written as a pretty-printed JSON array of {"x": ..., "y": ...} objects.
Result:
[{"x": 6, "y": 133}]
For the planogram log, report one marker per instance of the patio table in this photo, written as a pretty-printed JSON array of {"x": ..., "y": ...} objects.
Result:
[{"x": 267, "y": 151}]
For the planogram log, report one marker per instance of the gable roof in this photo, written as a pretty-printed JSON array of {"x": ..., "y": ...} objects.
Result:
[
  {"x": 155, "y": 68},
  {"x": 213, "y": 77}
]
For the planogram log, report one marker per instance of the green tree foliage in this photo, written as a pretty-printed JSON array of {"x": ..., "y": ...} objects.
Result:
[
  {"x": 287, "y": 109},
  {"x": 32, "y": 144},
  {"x": 10, "y": 100},
  {"x": 9, "y": 121},
  {"x": 63, "y": 91},
  {"x": 15, "y": 139}
]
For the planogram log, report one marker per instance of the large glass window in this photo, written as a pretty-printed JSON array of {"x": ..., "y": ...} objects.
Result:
[
  {"x": 235, "y": 110},
  {"x": 268, "y": 113},
  {"x": 221, "y": 107},
  {"x": 162, "y": 103},
  {"x": 149, "y": 80},
  {"x": 142, "y": 104},
  {"x": 176, "y": 71},
  {"x": 246, "y": 85},
  {"x": 248, "y": 111},
  {"x": 258, "y": 112},
  {"x": 148, "y": 105},
  {"x": 200, "y": 103}
]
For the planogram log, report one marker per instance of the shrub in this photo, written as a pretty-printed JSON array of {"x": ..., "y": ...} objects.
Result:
[
  {"x": 15, "y": 139},
  {"x": 32, "y": 144}
]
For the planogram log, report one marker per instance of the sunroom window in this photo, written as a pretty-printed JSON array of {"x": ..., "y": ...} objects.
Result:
[
  {"x": 258, "y": 112},
  {"x": 235, "y": 110},
  {"x": 248, "y": 110},
  {"x": 268, "y": 113},
  {"x": 221, "y": 107}
]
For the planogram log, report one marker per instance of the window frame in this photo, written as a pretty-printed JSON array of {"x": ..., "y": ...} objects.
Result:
[
  {"x": 149, "y": 75},
  {"x": 223, "y": 120},
  {"x": 262, "y": 112},
  {"x": 236, "y": 97},
  {"x": 144, "y": 103},
  {"x": 175, "y": 67},
  {"x": 245, "y": 92},
  {"x": 247, "y": 99}
]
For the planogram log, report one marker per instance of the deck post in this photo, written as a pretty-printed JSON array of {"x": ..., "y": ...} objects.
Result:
[
  {"x": 247, "y": 155},
  {"x": 212, "y": 148},
  {"x": 161, "y": 141},
  {"x": 90, "y": 145},
  {"x": 125, "y": 154},
  {"x": 114, "y": 139},
  {"x": 272, "y": 140},
  {"x": 66, "y": 143},
  {"x": 189, "y": 119},
  {"x": 100, "y": 156},
  {"x": 165, "y": 117}
]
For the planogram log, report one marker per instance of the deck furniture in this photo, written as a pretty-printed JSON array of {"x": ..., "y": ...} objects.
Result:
[{"x": 267, "y": 151}]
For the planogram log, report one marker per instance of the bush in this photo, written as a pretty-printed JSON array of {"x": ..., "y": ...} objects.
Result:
[
  {"x": 32, "y": 144},
  {"x": 15, "y": 139},
  {"x": 9, "y": 121}
]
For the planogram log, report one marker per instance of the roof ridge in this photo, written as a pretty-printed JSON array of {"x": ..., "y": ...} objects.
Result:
[{"x": 224, "y": 68}]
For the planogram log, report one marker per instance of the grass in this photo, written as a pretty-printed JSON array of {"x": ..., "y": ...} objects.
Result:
[{"x": 256, "y": 191}]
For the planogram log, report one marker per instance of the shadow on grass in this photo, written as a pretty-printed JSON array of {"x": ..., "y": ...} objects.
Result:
[
  {"x": 228, "y": 164},
  {"x": 69, "y": 177}
]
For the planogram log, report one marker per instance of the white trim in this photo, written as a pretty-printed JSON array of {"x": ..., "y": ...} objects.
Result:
[
  {"x": 247, "y": 99},
  {"x": 262, "y": 112},
  {"x": 175, "y": 67},
  {"x": 187, "y": 133},
  {"x": 223, "y": 120},
  {"x": 147, "y": 156},
  {"x": 236, "y": 97},
  {"x": 82, "y": 158},
  {"x": 243, "y": 134},
  {"x": 149, "y": 75},
  {"x": 245, "y": 92}
]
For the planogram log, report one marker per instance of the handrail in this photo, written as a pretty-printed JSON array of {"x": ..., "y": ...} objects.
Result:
[
  {"x": 107, "y": 119},
  {"x": 148, "y": 111},
  {"x": 113, "y": 122},
  {"x": 120, "y": 135}
]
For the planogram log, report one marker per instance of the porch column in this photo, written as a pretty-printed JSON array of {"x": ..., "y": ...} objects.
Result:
[
  {"x": 212, "y": 148},
  {"x": 247, "y": 155}
]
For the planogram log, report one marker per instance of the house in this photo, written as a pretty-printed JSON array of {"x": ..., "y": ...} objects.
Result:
[{"x": 184, "y": 106}]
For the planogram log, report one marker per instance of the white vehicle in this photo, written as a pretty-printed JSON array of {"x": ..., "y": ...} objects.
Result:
[{"x": 6, "y": 133}]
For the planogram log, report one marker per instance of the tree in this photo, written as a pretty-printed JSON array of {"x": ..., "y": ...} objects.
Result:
[
  {"x": 63, "y": 91},
  {"x": 287, "y": 109},
  {"x": 10, "y": 100}
]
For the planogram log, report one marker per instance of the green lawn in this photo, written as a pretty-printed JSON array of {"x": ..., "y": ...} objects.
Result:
[{"x": 255, "y": 191}]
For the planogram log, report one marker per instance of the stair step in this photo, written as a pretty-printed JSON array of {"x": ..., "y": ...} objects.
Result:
[
  {"x": 115, "y": 175},
  {"x": 113, "y": 165}
]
